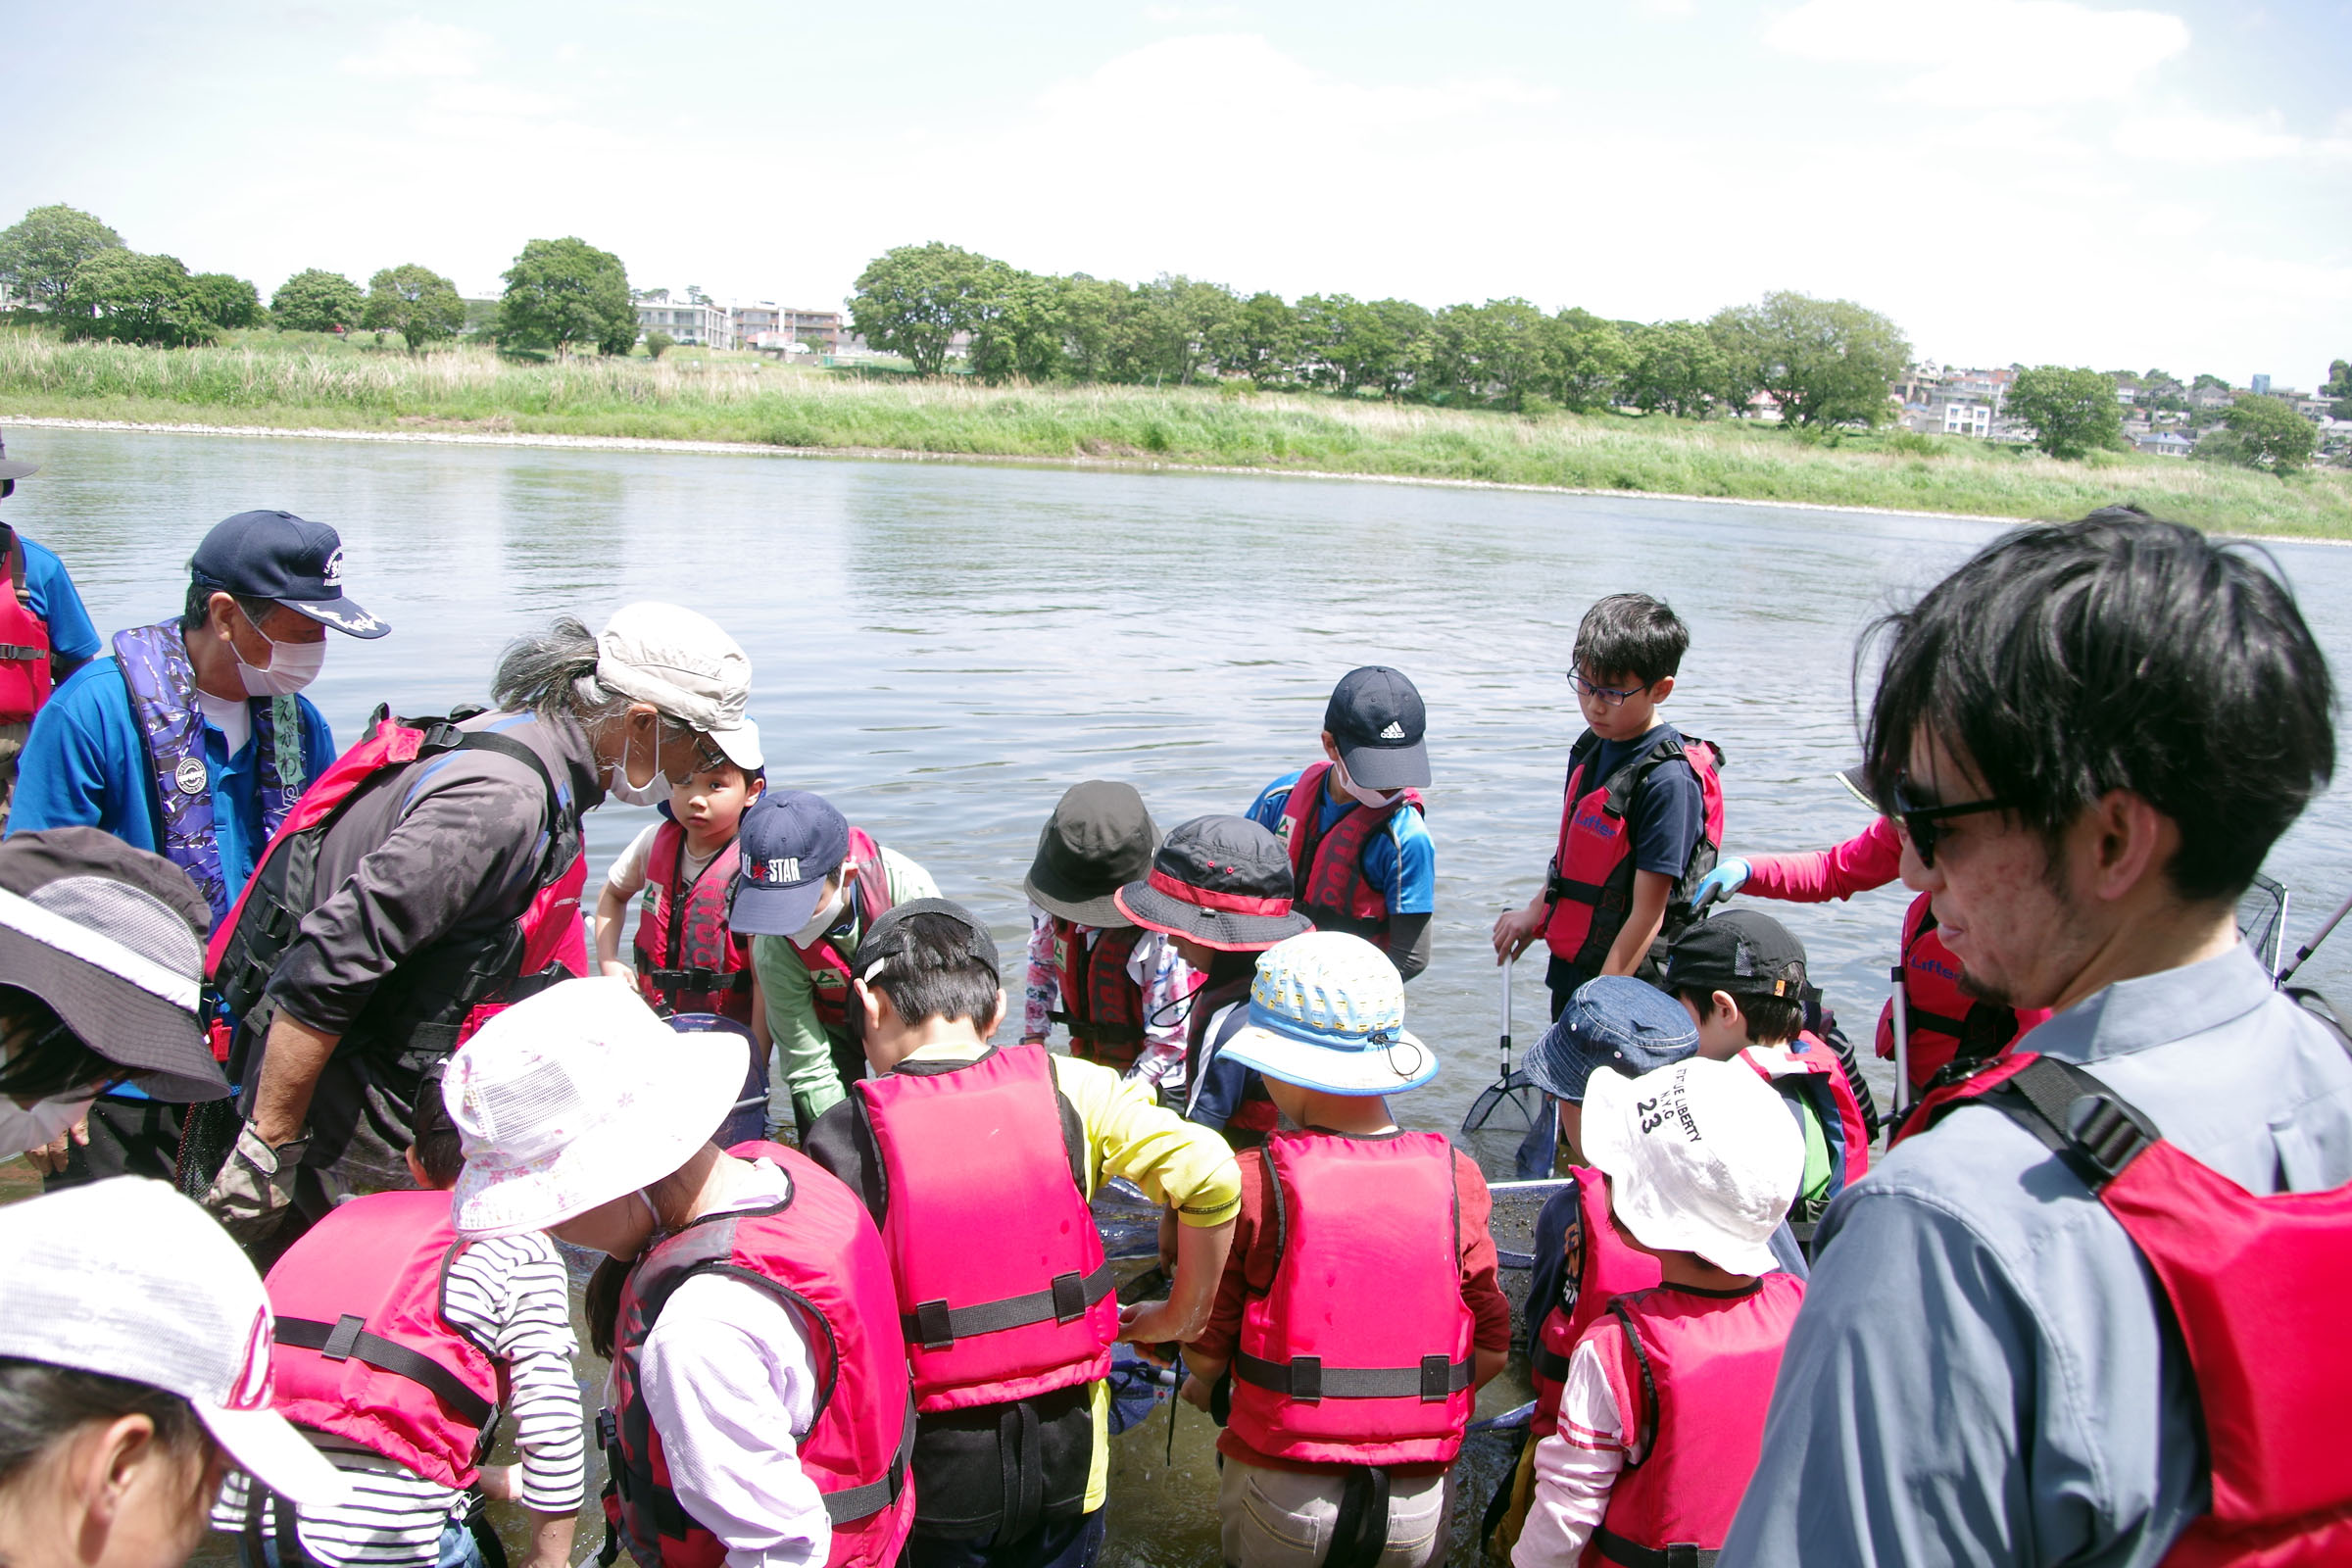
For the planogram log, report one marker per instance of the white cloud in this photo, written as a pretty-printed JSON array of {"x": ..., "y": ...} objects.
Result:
[
  {"x": 1190, "y": 16},
  {"x": 2191, "y": 137},
  {"x": 1668, "y": 8},
  {"x": 1993, "y": 52},
  {"x": 414, "y": 47}
]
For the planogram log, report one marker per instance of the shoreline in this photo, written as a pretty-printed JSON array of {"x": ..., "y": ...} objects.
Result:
[{"x": 615, "y": 443}]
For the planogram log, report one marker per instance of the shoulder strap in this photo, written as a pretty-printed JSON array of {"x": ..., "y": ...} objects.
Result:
[
  {"x": 15, "y": 565},
  {"x": 1644, "y": 1434},
  {"x": 2319, "y": 1006},
  {"x": 506, "y": 746},
  {"x": 2045, "y": 1097}
]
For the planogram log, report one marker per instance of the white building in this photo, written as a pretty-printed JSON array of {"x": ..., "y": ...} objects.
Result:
[
  {"x": 689, "y": 317},
  {"x": 2164, "y": 444}
]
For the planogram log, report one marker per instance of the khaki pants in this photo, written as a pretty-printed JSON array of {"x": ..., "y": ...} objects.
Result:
[
  {"x": 1284, "y": 1518},
  {"x": 12, "y": 742}
]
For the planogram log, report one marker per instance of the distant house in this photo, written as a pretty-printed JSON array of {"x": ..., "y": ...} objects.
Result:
[
  {"x": 2261, "y": 385},
  {"x": 691, "y": 317},
  {"x": 2164, "y": 444}
]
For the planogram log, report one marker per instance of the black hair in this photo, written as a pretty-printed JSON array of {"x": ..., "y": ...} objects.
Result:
[
  {"x": 434, "y": 1136},
  {"x": 42, "y": 1405},
  {"x": 2120, "y": 652},
  {"x": 600, "y": 1302},
  {"x": 53, "y": 1060},
  {"x": 199, "y": 607},
  {"x": 1631, "y": 634},
  {"x": 1769, "y": 1020},
  {"x": 932, "y": 973}
]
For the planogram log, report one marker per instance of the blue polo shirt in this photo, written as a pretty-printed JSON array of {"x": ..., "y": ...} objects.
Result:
[
  {"x": 1401, "y": 863},
  {"x": 85, "y": 765},
  {"x": 55, "y": 601}
]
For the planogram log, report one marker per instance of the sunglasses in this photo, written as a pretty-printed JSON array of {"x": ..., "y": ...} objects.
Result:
[{"x": 1920, "y": 824}]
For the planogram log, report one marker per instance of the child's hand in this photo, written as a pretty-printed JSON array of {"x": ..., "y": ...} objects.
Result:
[
  {"x": 614, "y": 969},
  {"x": 500, "y": 1482},
  {"x": 1514, "y": 929},
  {"x": 1151, "y": 1323}
]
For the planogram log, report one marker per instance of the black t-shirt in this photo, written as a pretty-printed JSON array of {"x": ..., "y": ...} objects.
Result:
[{"x": 1667, "y": 812}]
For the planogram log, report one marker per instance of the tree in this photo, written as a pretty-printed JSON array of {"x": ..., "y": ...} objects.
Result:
[
  {"x": 1827, "y": 362},
  {"x": 1678, "y": 367},
  {"x": 655, "y": 343},
  {"x": 2271, "y": 433},
  {"x": 1262, "y": 341},
  {"x": 2071, "y": 410},
  {"x": 123, "y": 295},
  {"x": 40, "y": 252},
  {"x": 2338, "y": 386},
  {"x": 565, "y": 292},
  {"x": 2209, "y": 383},
  {"x": 913, "y": 300},
  {"x": 1353, "y": 345},
  {"x": 418, "y": 304},
  {"x": 227, "y": 301},
  {"x": 1588, "y": 359},
  {"x": 1021, "y": 337},
  {"x": 317, "y": 301}
]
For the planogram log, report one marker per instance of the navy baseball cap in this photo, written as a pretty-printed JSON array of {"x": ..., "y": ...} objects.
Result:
[
  {"x": 788, "y": 843},
  {"x": 275, "y": 555},
  {"x": 1617, "y": 1022},
  {"x": 1377, "y": 721}
]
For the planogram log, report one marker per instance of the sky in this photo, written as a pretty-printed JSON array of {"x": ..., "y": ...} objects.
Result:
[{"x": 2126, "y": 186}]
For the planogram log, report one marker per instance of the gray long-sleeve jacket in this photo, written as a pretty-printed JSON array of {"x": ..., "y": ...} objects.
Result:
[{"x": 1982, "y": 1372}]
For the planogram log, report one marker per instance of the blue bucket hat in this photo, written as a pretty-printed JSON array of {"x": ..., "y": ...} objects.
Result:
[
  {"x": 1327, "y": 1013},
  {"x": 1616, "y": 1022}
]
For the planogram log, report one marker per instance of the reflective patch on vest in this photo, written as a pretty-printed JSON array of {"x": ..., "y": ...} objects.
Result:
[
  {"x": 190, "y": 776},
  {"x": 829, "y": 979}
]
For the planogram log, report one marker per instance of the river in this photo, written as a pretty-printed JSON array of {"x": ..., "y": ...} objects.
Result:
[{"x": 942, "y": 649}]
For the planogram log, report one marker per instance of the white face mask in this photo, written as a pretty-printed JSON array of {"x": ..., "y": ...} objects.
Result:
[
  {"x": 1372, "y": 798},
  {"x": 827, "y": 913},
  {"x": 291, "y": 667},
  {"x": 652, "y": 792},
  {"x": 21, "y": 1128}
]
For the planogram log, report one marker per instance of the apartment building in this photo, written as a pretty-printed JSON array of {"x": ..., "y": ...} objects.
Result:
[{"x": 689, "y": 316}]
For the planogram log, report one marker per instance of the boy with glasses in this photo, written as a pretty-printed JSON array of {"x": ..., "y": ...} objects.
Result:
[{"x": 1640, "y": 822}]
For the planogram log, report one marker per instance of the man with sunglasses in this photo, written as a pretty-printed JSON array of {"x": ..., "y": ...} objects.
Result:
[{"x": 2091, "y": 735}]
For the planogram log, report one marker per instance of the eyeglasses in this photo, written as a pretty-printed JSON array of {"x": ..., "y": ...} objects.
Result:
[
  {"x": 1919, "y": 822},
  {"x": 1609, "y": 695}
]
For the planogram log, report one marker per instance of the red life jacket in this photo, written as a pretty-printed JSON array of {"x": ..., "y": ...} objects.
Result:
[
  {"x": 1941, "y": 1016},
  {"x": 2257, "y": 1286},
  {"x": 1002, "y": 1291},
  {"x": 1692, "y": 1377},
  {"x": 687, "y": 961},
  {"x": 828, "y": 966},
  {"x": 1102, "y": 1006},
  {"x": 1607, "y": 1266},
  {"x": 363, "y": 1350},
  {"x": 440, "y": 996},
  {"x": 1811, "y": 1072},
  {"x": 1328, "y": 868},
  {"x": 24, "y": 638},
  {"x": 1325, "y": 1374},
  {"x": 817, "y": 1253},
  {"x": 1590, "y": 883}
]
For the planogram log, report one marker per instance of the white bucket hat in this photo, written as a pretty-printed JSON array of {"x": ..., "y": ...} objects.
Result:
[
  {"x": 1702, "y": 1156},
  {"x": 578, "y": 1095},
  {"x": 127, "y": 1278},
  {"x": 1327, "y": 1011},
  {"x": 685, "y": 666}
]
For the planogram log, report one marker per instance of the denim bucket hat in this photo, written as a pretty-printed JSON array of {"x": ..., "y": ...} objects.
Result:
[
  {"x": 1327, "y": 1013},
  {"x": 1616, "y": 1022}
]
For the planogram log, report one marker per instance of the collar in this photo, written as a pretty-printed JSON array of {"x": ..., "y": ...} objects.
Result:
[{"x": 2153, "y": 1010}]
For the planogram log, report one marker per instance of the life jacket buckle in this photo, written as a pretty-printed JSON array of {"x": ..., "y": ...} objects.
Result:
[
  {"x": 345, "y": 1338},
  {"x": 2105, "y": 1133},
  {"x": 1306, "y": 1379},
  {"x": 1069, "y": 1297},
  {"x": 931, "y": 1321},
  {"x": 1437, "y": 1380},
  {"x": 608, "y": 1430}
]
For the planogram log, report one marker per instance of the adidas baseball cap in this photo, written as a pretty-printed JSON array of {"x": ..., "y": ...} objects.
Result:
[
  {"x": 1376, "y": 720},
  {"x": 275, "y": 555}
]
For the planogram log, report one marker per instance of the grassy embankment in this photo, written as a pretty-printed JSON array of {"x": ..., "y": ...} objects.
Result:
[{"x": 333, "y": 385}]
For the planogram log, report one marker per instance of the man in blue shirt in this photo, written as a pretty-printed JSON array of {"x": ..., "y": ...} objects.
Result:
[
  {"x": 1363, "y": 862},
  {"x": 190, "y": 740},
  {"x": 43, "y": 625}
]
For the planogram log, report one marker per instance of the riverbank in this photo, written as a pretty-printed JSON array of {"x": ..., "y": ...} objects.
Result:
[{"x": 471, "y": 392}]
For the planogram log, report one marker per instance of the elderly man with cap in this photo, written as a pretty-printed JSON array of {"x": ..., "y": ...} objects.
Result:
[
  {"x": 45, "y": 635},
  {"x": 101, "y": 957},
  {"x": 422, "y": 898},
  {"x": 1117, "y": 986}
]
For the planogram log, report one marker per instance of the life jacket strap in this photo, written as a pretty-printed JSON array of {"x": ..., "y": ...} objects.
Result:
[
  {"x": 16, "y": 651},
  {"x": 935, "y": 1325},
  {"x": 347, "y": 1340},
  {"x": 1106, "y": 1034},
  {"x": 1679, "y": 1554},
  {"x": 1305, "y": 1378},
  {"x": 2043, "y": 1096},
  {"x": 1557, "y": 887},
  {"x": 1547, "y": 1362},
  {"x": 713, "y": 981}
]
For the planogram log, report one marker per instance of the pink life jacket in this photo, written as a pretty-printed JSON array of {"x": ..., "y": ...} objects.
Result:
[
  {"x": 363, "y": 1350},
  {"x": 1002, "y": 1291},
  {"x": 1940, "y": 1016},
  {"x": 828, "y": 966},
  {"x": 687, "y": 961},
  {"x": 1328, "y": 868},
  {"x": 1590, "y": 883},
  {"x": 1810, "y": 1071},
  {"x": 24, "y": 638},
  {"x": 1606, "y": 1266},
  {"x": 1692, "y": 1377},
  {"x": 1102, "y": 1006},
  {"x": 1325, "y": 1373},
  {"x": 817, "y": 1253},
  {"x": 2256, "y": 1285}
]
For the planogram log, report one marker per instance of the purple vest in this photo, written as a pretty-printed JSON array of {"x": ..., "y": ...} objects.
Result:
[{"x": 163, "y": 699}]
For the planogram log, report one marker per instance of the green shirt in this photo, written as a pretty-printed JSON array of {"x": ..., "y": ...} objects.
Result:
[{"x": 804, "y": 1046}]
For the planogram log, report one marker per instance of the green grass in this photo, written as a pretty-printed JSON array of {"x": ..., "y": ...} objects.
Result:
[{"x": 335, "y": 384}]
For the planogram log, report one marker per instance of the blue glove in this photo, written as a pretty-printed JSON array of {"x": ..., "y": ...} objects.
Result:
[{"x": 1717, "y": 886}]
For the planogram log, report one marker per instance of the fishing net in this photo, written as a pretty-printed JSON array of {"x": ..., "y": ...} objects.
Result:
[
  {"x": 207, "y": 1134},
  {"x": 2262, "y": 921}
]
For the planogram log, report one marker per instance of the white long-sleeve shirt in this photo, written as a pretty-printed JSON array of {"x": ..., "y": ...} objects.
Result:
[
  {"x": 1576, "y": 1467},
  {"x": 1167, "y": 984},
  {"x": 728, "y": 1381}
]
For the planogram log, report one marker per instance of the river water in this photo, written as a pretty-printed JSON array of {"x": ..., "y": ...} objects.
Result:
[{"x": 942, "y": 650}]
